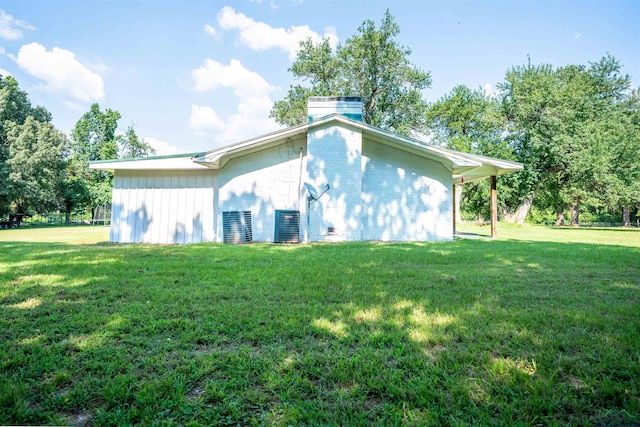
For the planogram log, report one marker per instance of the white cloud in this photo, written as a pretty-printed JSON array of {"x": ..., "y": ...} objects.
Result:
[
  {"x": 4, "y": 72},
  {"x": 261, "y": 36},
  {"x": 577, "y": 36},
  {"x": 204, "y": 118},
  {"x": 254, "y": 103},
  {"x": 245, "y": 83},
  {"x": 210, "y": 30},
  {"x": 2, "y": 50},
  {"x": 250, "y": 120},
  {"x": 11, "y": 28},
  {"x": 62, "y": 72},
  {"x": 162, "y": 148}
]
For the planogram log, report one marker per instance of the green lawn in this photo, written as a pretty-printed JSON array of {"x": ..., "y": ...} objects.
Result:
[{"x": 538, "y": 327}]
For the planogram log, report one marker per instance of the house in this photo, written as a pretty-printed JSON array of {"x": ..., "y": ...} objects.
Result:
[{"x": 379, "y": 186}]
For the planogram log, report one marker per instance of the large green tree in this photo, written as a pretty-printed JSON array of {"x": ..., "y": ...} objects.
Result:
[
  {"x": 471, "y": 121},
  {"x": 372, "y": 65},
  {"x": 17, "y": 167},
  {"x": 36, "y": 165},
  {"x": 94, "y": 138},
  {"x": 620, "y": 189},
  {"x": 559, "y": 122}
]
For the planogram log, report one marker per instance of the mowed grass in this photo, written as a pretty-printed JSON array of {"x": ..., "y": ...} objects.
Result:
[{"x": 530, "y": 331}]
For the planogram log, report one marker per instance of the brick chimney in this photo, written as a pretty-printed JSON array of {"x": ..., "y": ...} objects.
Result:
[{"x": 348, "y": 106}]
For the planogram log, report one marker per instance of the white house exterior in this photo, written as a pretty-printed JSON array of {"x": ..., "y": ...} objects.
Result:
[{"x": 382, "y": 186}]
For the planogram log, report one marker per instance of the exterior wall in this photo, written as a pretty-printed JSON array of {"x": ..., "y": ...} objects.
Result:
[
  {"x": 404, "y": 197},
  {"x": 261, "y": 182},
  {"x": 376, "y": 192},
  {"x": 335, "y": 157},
  {"x": 163, "y": 206}
]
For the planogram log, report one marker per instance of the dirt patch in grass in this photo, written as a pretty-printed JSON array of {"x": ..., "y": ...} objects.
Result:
[
  {"x": 80, "y": 419},
  {"x": 195, "y": 392}
]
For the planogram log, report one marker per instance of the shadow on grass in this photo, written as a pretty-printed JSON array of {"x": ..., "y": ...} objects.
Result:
[{"x": 470, "y": 331}]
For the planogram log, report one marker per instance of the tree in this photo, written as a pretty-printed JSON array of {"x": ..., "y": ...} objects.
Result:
[
  {"x": 15, "y": 108},
  {"x": 131, "y": 146},
  {"x": 621, "y": 172},
  {"x": 370, "y": 64},
  {"x": 559, "y": 124},
  {"x": 94, "y": 138},
  {"x": 528, "y": 93},
  {"x": 73, "y": 192},
  {"x": 471, "y": 121},
  {"x": 36, "y": 165}
]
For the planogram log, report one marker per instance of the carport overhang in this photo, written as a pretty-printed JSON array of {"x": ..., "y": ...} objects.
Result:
[{"x": 489, "y": 168}]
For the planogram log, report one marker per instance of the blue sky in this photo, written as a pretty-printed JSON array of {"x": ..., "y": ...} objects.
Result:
[{"x": 193, "y": 75}]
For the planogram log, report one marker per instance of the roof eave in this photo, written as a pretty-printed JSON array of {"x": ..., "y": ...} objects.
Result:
[{"x": 171, "y": 162}]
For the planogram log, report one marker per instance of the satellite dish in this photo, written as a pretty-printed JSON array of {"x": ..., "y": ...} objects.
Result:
[
  {"x": 313, "y": 196},
  {"x": 313, "y": 193}
]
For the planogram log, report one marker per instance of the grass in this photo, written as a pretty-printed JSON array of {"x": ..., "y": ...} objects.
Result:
[
  {"x": 72, "y": 235},
  {"x": 537, "y": 330}
]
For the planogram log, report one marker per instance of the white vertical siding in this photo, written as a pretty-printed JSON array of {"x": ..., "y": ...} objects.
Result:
[
  {"x": 182, "y": 208},
  {"x": 116, "y": 208},
  {"x": 132, "y": 217},
  {"x": 145, "y": 206},
  {"x": 126, "y": 228},
  {"x": 208, "y": 215},
  {"x": 197, "y": 210},
  {"x": 335, "y": 157},
  {"x": 260, "y": 182},
  {"x": 405, "y": 197},
  {"x": 162, "y": 206}
]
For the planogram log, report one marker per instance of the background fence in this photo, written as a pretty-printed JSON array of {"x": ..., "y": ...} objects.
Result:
[{"x": 102, "y": 216}]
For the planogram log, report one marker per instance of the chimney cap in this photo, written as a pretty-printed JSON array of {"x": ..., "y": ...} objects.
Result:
[{"x": 335, "y": 98}]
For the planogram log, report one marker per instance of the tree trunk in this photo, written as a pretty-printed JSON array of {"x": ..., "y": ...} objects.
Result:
[
  {"x": 575, "y": 214},
  {"x": 626, "y": 216},
  {"x": 520, "y": 215},
  {"x": 67, "y": 217},
  {"x": 560, "y": 216}
]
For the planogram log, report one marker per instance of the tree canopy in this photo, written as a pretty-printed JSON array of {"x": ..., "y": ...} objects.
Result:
[
  {"x": 130, "y": 145},
  {"x": 94, "y": 138},
  {"x": 25, "y": 138},
  {"x": 372, "y": 65},
  {"x": 559, "y": 122},
  {"x": 41, "y": 170},
  {"x": 573, "y": 127}
]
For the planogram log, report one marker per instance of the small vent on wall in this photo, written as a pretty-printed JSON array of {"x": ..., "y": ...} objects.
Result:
[
  {"x": 236, "y": 227},
  {"x": 287, "y": 226}
]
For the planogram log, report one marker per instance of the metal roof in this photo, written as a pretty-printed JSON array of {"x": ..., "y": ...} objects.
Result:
[{"x": 465, "y": 167}]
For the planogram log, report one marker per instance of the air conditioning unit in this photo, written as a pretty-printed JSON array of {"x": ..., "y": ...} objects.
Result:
[
  {"x": 236, "y": 227},
  {"x": 287, "y": 226}
]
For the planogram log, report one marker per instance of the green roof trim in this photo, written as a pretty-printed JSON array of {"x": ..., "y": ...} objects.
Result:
[{"x": 169, "y": 156}]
